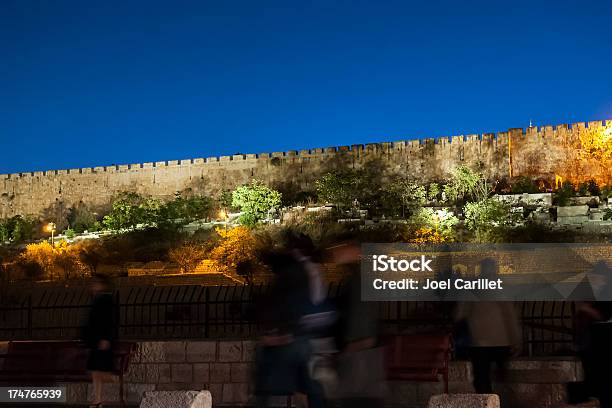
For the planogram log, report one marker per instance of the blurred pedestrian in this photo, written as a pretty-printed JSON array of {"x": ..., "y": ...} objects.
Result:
[
  {"x": 593, "y": 339},
  {"x": 284, "y": 351},
  {"x": 360, "y": 362},
  {"x": 99, "y": 335},
  {"x": 494, "y": 332}
]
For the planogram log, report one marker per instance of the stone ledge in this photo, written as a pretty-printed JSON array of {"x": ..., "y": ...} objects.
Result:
[
  {"x": 177, "y": 399},
  {"x": 464, "y": 401}
]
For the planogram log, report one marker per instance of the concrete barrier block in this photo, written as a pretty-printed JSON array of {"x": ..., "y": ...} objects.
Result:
[
  {"x": 576, "y": 219},
  {"x": 177, "y": 399},
  {"x": 572, "y": 210},
  {"x": 464, "y": 401}
]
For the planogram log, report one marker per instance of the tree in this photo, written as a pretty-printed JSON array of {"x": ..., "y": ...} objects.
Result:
[
  {"x": 185, "y": 210},
  {"x": 5, "y": 231},
  {"x": 237, "y": 245},
  {"x": 433, "y": 192},
  {"x": 81, "y": 218},
  {"x": 338, "y": 187},
  {"x": 23, "y": 228},
  {"x": 564, "y": 193},
  {"x": 186, "y": 256},
  {"x": 67, "y": 257},
  {"x": 524, "y": 184},
  {"x": 256, "y": 201},
  {"x": 402, "y": 195},
  {"x": 466, "y": 184},
  {"x": 488, "y": 219},
  {"x": 40, "y": 254},
  {"x": 91, "y": 252},
  {"x": 130, "y": 210}
]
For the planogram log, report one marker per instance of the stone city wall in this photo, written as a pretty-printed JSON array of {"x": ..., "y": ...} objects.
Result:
[
  {"x": 225, "y": 368},
  {"x": 535, "y": 151}
]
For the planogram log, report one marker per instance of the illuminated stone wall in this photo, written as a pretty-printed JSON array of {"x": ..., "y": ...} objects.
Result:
[{"x": 539, "y": 152}]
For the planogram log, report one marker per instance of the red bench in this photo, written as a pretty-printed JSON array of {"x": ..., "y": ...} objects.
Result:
[
  {"x": 53, "y": 362},
  {"x": 418, "y": 357}
]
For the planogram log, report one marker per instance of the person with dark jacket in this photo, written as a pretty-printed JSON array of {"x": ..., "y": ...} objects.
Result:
[
  {"x": 284, "y": 351},
  {"x": 99, "y": 335}
]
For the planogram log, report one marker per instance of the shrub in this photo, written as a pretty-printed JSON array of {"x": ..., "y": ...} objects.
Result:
[
  {"x": 187, "y": 256},
  {"x": 236, "y": 245},
  {"x": 440, "y": 221},
  {"x": 488, "y": 219},
  {"x": 466, "y": 184},
  {"x": 256, "y": 201},
  {"x": 564, "y": 193},
  {"x": 524, "y": 184}
]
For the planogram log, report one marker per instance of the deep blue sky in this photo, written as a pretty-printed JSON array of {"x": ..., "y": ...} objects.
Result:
[{"x": 86, "y": 83}]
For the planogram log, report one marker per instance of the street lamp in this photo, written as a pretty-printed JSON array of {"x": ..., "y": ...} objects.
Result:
[{"x": 50, "y": 227}]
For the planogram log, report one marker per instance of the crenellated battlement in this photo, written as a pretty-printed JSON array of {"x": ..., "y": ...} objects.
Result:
[
  {"x": 545, "y": 131},
  {"x": 502, "y": 154}
]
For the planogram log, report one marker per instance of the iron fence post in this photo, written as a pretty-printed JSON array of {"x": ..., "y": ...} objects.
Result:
[
  {"x": 29, "y": 327},
  {"x": 206, "y": 313}
]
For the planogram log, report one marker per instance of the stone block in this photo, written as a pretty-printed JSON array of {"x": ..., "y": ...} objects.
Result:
[
  {"x": 201, "y": 351},
  {"x": 464, "y": 401},
  {"x": 401, "y": 392},
  {"x": 149, "y": 352},
  {"x": 592, "y": 200},
  {"x": 151, "y": 373},
  {"x": 201, "y": 372},
  {"x": 136, "y": 373},
  {"x": 230, "y": 351},
  {"x": 182, "y": 373},
  {"x": 219, "y": 373},
  {"x": 240, "y": 372},
  {"x": 217, "y": 391},
  {"x": 174, "y": 351},
  {"x": 576, "y": 219},
  {"x": 110, "y": 392},
  {"x": 165, "y": 373},
  {"x": 76, "y": 393},
  {"x": 177, "y": 399},
  {"x": 572, "y": 210},
  {"x": 235, "y": 393},
  {"x": 459, "y": 371},
  {"x": 426, "y": 389},
  {"x": 248, "y": 350}
]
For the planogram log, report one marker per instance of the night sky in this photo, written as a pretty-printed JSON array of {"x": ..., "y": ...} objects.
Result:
[{"x": 85, "y": 83}]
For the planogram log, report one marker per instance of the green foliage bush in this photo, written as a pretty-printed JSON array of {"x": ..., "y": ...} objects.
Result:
[
  {"x": 565, "y": 193},
  {"x": 524, "y": 184},
  {"x": 402, "y": 197},
  {"x": 18, "y": 229},
  {"x": 256, "y": 201},
  {"x": 466, "y": 185},
  {"x": 442, "y": 221},
  {"x": 489, "y": 219}
]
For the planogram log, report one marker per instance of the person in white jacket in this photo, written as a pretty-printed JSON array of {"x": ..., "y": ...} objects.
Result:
[{"x": 494, "y": 333}]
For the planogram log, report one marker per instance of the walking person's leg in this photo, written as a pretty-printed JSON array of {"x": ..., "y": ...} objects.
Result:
[
  {"x": 481, "y": 367},
  {"x": 97, "y": 379}
]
